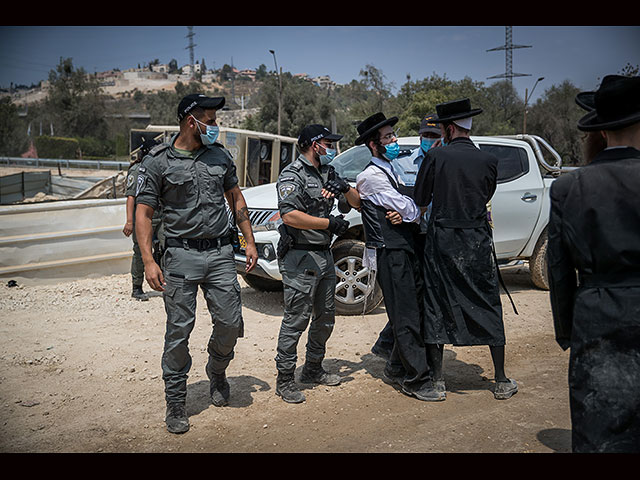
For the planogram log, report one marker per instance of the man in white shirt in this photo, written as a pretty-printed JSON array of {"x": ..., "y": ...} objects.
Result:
[{"x": 390, "y": 221}]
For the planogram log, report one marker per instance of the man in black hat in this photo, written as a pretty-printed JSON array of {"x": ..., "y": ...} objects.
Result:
[
  {"x": 407, "y": 168},
  {"x": 461, "y": 276},
  {"x": 305, "y": 259},
  {"x": 189, "y": 178},
  {"x": 594, "y": 229},
  {"x": 391, "y": 254}
]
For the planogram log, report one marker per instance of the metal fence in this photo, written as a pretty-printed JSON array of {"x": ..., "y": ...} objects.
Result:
[{"x": 64, "y": 163}]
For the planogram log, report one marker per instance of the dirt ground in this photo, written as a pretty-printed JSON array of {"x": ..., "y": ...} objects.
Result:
[{"x": 80, "y": 372}]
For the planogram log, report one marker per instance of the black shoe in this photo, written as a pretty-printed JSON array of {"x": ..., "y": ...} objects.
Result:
[
  {"x": 426, "y": 393},
  {"x": 176, "y": 418},
  {"x": 287, "y": 389},
  {"x": 138, "y": 294},
  {"x": 219, "y": 389},
  {"x": 393, "y": 377},
  {"x": 381, "y": 352},
  {"x": 314, "y": 373},
  {"x": 505, "y": 390}
]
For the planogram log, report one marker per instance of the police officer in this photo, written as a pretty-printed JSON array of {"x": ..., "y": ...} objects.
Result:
[
  {"x": 305, "y": 259},
  {"x": 190, "y": 177},
  {"x": 137, "y": 267}
]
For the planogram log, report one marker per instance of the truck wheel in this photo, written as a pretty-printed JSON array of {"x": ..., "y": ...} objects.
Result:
[
  {"x": 538, "y": 263},
  {"x": 352, "y": 280},
  {"x": 262, "y": 284}
]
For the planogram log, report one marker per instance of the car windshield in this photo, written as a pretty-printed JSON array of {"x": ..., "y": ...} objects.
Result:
[{"x": 353, "y": 161}]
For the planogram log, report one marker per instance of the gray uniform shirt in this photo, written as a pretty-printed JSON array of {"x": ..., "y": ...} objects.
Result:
[
  {"x": 190, "y": 190},
  {"x": 299, "y": 188}
]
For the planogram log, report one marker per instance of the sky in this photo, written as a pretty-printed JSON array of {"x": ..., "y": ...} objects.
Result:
[{"x": 580, "y": 54}]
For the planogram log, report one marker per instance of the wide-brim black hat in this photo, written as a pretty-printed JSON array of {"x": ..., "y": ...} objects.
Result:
[
  {"x": 373, "y": 123},
  {"x": 616, "y": 104},
  {"x": 455, "y": 110},
  {"x": 586, "y": 100}
]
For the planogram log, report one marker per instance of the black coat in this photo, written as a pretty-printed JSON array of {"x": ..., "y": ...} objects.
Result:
[
  {"x": 463, "y": 296},
  {"x": 594, "y": 277}
]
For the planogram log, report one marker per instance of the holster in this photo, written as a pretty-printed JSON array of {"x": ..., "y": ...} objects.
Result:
[{"x": 285, "y": 242}]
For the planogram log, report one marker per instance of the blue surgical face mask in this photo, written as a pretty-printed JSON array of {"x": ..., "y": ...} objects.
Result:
[
  {"x": 211, "y": 135},
  {"x": 392, "y": 151},
  {"x": 427, "y": 143},
  {"x": 328, "y": 156},
  {"x": 442, "y": 142}
]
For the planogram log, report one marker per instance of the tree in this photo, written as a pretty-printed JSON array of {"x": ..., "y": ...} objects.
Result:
[
  {"x": 75, "y": 102},
  {"x": 13, "y": 140},
  {"x": 554, "y": 117}
]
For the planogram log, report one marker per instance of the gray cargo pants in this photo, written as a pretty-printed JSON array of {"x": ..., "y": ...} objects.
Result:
[
  {"x": 185, "y": 270},
  {"x": 137, "y": 267},
  {"x": 309, "y": 280}
]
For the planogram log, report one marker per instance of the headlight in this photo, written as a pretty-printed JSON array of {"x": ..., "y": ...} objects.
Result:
[{"x": 266, "y": 251}]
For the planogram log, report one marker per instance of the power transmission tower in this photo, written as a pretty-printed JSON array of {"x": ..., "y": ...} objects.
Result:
[
  {"x": 508, "y": 48},
  {"x": 190, "y": 48}
]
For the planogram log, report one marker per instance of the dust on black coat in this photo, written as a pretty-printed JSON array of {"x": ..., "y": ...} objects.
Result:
[
  {"x": 463, "y": 296},
  {"x": 594, "y": 230}
]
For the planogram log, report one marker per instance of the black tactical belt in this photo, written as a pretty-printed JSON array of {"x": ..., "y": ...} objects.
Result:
[
  {"x": 199, "y": 243},
  {"x": 308, "y": 246}
]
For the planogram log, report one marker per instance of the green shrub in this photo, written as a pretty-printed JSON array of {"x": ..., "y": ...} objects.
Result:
[{"x": 56, "y": 147}]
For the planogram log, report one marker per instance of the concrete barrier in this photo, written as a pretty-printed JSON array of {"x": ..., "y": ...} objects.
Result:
[{"x": 65, "y": 240}]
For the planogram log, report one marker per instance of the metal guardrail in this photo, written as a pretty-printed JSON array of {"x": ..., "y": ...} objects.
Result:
[{"x": 45, "y": 162}]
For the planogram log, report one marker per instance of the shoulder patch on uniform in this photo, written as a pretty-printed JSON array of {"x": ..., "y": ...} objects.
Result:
[
  {"x": 140, "y": 185},
  {"x": 286, "y": 179},
  {"x": 285, "y": 189}
]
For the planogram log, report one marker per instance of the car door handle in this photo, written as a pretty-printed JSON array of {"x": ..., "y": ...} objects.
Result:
[{"x": 528, "y": 197}]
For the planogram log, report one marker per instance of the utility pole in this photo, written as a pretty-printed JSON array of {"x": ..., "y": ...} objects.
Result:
[
  {"x": 190, "y": 48},
  {"x": 508, "y": 48},
  {"x": 279, "y": 89}
]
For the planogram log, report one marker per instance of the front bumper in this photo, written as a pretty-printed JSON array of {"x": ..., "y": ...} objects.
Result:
[{"x": 267, "y": 267}]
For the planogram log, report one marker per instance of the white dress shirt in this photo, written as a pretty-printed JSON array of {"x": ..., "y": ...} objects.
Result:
[{"x": 374, "y": 185}]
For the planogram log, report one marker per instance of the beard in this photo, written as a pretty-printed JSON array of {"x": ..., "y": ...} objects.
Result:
[{"x": 593, "y": 143}]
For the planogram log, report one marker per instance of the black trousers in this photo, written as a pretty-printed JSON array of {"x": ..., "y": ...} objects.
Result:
[{"x": 400, "y": 277}]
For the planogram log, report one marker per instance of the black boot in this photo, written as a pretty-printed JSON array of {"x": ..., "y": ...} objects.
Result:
[
  {"x": 314, "y": 373},
  {"x": 176, "y": 418},
  {"x": 287, "y": 389},
  {"x": 138, "y": 294},
  {"x": 219, "y": 389}
]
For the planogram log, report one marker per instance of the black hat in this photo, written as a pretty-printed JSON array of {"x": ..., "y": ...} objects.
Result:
[
  {"x": 455, "y": 110},
  {"x": 586, "y": 100},
  {"x": 616, "y": 104},
  {"x": 315, "y": 132},
  {"x": 427, "y": 125},
  {"x": 189, "y": 102},
  {"x": 373, "y": 123}
]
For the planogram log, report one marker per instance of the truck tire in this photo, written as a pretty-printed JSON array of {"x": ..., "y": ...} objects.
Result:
[
  {"x": 262, "y": 284},
  {"x": 538, "y": 263},
  {"x": 352, "y": 277}
]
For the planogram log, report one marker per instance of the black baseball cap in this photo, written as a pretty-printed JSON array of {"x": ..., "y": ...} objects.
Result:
[
  {"x": 427, "y": 125},
  {"x": 194, "y": 100},
  {"x": 313, "y": 133}
]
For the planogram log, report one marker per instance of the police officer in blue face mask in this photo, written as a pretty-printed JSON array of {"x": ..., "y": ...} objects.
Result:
[
  {"x": 306, "y": 190},
  {"x": 190, "y": 177}
]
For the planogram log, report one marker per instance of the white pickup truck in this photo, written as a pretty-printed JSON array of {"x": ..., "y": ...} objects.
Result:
[{"x": 520, "y": 212}]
